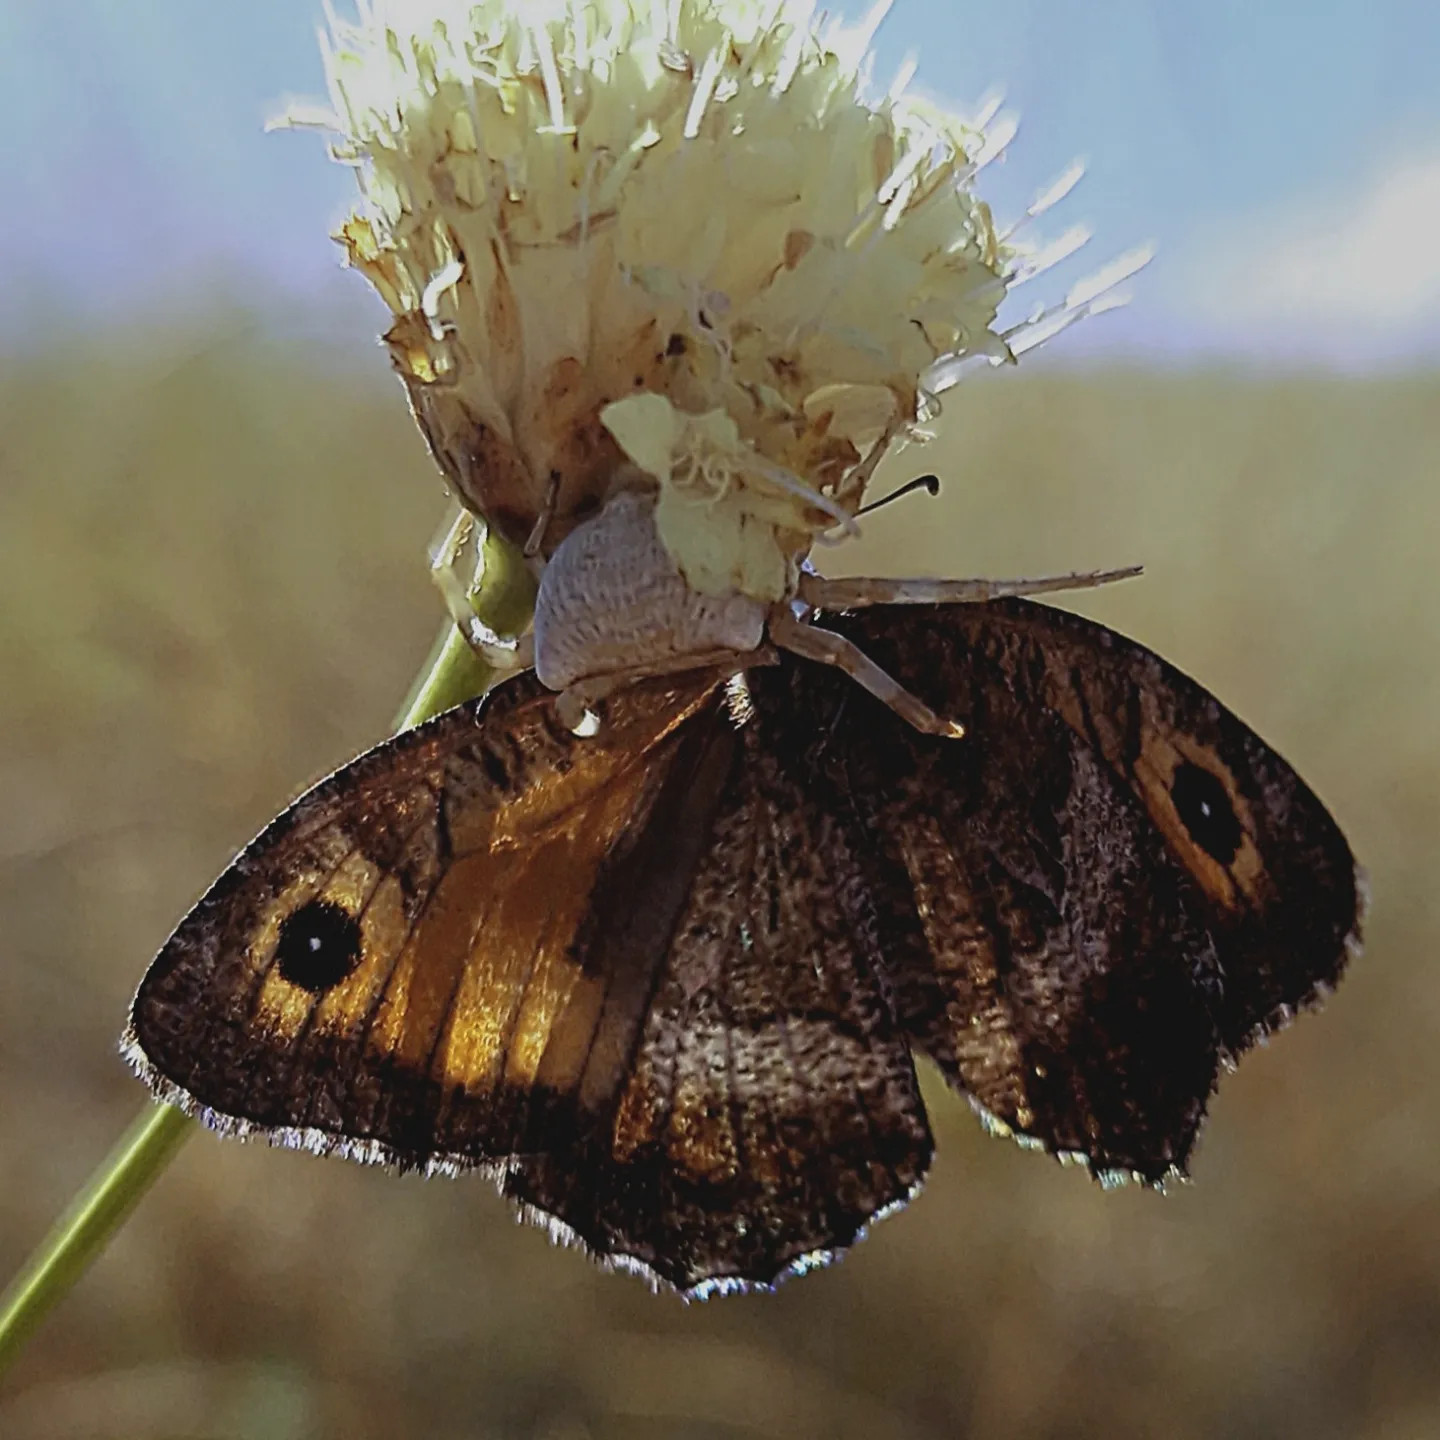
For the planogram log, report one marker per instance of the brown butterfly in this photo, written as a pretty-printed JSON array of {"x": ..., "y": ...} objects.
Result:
[{"x": 663, "y": 976}]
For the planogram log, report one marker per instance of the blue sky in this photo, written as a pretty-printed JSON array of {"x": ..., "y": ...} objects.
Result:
[{"x": 1284, "y": 157}]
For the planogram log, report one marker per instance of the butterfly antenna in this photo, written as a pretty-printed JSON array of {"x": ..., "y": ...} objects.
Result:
[{"x": 930, "y": 483}]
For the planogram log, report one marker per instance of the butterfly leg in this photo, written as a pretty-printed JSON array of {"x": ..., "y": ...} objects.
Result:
[
  {"x": 575, "y": 700},
  {"x": 813, "y": 643},
  {"x": 853, "y": 594}
]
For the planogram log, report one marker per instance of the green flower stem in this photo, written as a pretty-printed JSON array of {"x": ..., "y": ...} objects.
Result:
[
  {"x": 453, "y": 673},
  {"x": 93, "y": 1216},
  {"x": 504, "y": 602}
]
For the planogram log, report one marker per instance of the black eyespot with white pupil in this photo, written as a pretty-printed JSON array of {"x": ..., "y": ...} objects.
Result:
[
  {"x": 1204, "y": 807},
  {"x": 319, "y": 946}
]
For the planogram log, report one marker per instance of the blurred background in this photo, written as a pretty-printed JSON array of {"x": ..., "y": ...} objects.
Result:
[{"x": 213, "y": 512}]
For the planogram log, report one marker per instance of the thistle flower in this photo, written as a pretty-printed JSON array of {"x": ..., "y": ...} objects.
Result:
[{"x": 676, "y": 236}]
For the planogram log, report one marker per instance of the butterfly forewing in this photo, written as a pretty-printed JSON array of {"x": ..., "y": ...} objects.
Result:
[
  {"x": 1279, "y": 888},
  {"x": 1066, "y": 933},
  {"x": 392, "y": 966}
]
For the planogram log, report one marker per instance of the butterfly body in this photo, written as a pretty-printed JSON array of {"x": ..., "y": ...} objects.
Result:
[
  {"x": 666, "y": 982},
  {"x": 612, "y": 600}
]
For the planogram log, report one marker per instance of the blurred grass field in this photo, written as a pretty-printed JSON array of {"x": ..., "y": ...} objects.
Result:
[{"x": 212, "y": 589}]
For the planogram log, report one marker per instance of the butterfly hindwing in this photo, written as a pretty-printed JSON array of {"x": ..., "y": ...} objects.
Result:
[{"x": 772, "y": 1109}]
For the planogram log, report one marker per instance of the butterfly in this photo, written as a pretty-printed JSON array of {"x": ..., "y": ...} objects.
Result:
[{"x": 664, "y": 975}]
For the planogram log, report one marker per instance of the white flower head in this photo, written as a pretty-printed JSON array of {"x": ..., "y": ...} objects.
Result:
[{"x": 673, "y": 233}]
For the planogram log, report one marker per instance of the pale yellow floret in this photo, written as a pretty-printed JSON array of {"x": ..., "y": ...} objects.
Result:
[
  {"x": 727, "y": 515},
  {"x": 673, "y": 231}
]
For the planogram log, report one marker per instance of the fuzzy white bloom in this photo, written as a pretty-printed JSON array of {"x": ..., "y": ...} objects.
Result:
[{"x": 671, "y": 232}]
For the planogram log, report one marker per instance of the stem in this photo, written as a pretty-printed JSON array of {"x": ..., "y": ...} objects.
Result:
[
  {"x": 92, "y": 1217},
  {"x": 505, "y": 602},
  {"x": 452, "y": 673}
]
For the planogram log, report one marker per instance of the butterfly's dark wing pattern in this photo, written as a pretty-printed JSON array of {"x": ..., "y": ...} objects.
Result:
[
  {"x": 1108, "y": 888},
  {"x": 664, "y": 981},
  {"x": 772, "y": 1108}
]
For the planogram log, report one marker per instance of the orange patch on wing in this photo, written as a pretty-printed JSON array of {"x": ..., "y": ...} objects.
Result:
[{"x": 1162, "y": 752}]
